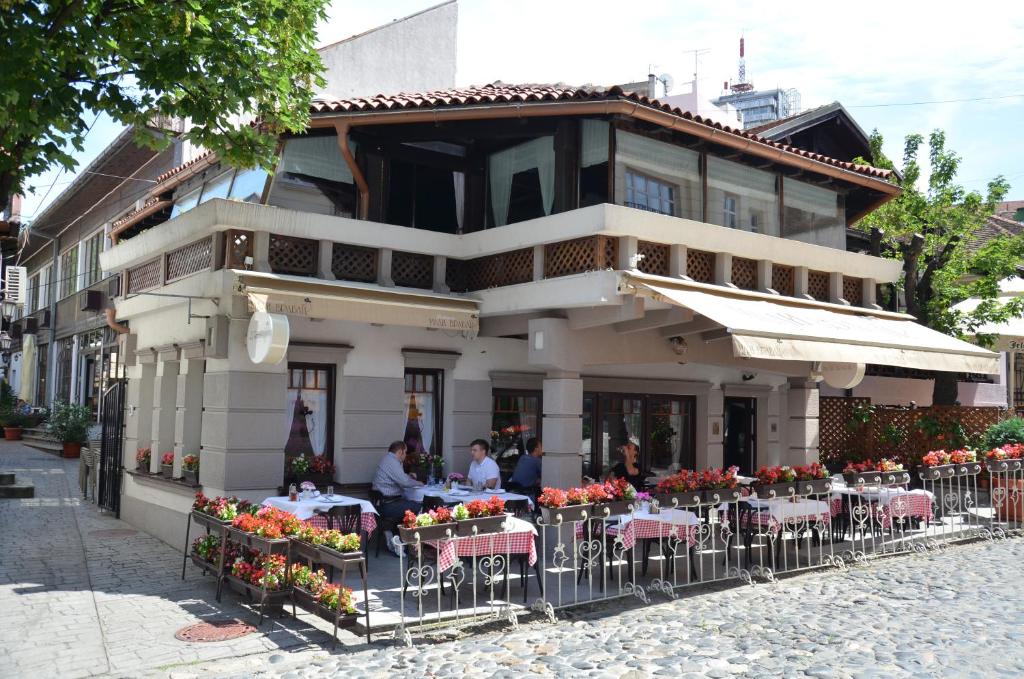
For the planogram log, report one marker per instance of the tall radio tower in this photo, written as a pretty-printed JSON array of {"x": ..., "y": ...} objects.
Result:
[{"x": 742, "y": 85}]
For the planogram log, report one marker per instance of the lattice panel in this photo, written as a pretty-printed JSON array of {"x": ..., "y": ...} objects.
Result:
[
  {"x": 853, "y": 290},
  {"x": 593, "y": 253},
  {"x": 144, "y": 277},
  {"x": 783, "y": 279},
  {"x": 237, "y": 247},
  {"x": 817, "y": 285},
  {"x": 411, "y": 270},
  {"x": 508, "y": 268},
  {"x": 291, "y": 255},
  {"x": 655, "y": 259},
  {"x": 834, "y": 432},
  {"x": 354, "y": 263},
  {"x": 190, "y": 259},
  {"x": 700, "y": 266},
  {"x": 744, "y": 273},
  {"x": 455, "y": 275}
]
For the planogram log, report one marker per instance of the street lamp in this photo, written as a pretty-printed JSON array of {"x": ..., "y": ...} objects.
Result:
[{"x": 5, "y": 341}]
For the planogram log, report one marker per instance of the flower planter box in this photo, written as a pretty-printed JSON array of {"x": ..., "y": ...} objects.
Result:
[
  {"x": 813, "y": 486},
  {"x": 260, "y": 595},
  {"x": 894, "y": 478},
  {"x": 1008, "y": 497},
  {"x": 212, "y": 522},
  {"x": 604, "y": 510},
  {"x": 304, "y": 599},
  {"x": 871, "y": 478},
  {"x": 1003, "y": 466},
  {"x": 776, "y": 490},
  {"x": 12, "y": 433},
  {"x": 949, "y": 471},
  {"x": 333, "y": 557},
  {"x": 204, "y": 564},
  {"x": 167, "y": 471},
  {"x": 717, "y": 496},
  {"x": 690, "y": 498},
  {"x": 557, "y": 515},
  {"x": 480, "y": 526},
  {"x": 142, "y": 467},
  {"x": 258, "y": 542},
  {"x": 305, "y": 550},
  {"x": 191, "y": 477},
  {"x": 439, "y": 531}
]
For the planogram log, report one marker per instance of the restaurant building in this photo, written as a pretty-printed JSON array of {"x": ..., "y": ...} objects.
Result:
[{"x": 580, "y": 264}]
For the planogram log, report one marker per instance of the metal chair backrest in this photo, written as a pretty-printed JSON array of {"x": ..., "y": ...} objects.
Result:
[
  {"x": 432, "y": 502},
  {"x": 346, "y": 518},
  {"x": 517, "y": 508},
  {"x": 376, "y": 499}
]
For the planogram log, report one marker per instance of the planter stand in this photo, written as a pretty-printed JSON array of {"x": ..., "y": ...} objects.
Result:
[
  {"x": 342, "y": 561},
  {"x": 719, "y": 495},
  {"x": 573, "y": 513},
  {"x": 813, "y": 486},
  {"x": 606, "y": 510},
  {"x": 482, "y": 525},
  {"x": 949, "y": 471},
  {"x": 690, "y": 498},
  {"x": 771, "y": 491},
  {"x": 213, "y": 526}
]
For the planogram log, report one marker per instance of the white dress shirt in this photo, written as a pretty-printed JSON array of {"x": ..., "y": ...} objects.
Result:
[{"x": 482, "y": 472}]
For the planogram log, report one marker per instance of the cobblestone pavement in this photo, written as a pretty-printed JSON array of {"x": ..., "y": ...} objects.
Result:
[
  {"x": 78, "y": 603},
  {"x": 958, "y": 613},
  {"x": 77, "y": 600}
]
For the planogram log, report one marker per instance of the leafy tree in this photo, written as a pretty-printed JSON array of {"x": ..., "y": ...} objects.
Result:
[
  {"x": 932, "y": 227},
  {"x": 210, "y": 63}
]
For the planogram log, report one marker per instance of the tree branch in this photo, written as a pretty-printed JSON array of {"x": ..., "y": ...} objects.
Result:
[{"x": 911, "y": 264}]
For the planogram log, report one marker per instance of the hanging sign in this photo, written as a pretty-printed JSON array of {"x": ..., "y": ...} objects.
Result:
[{"x": 267, "y": 338}]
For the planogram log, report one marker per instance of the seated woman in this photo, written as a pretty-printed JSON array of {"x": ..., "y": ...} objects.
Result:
[{"x": 629, "y": 468}]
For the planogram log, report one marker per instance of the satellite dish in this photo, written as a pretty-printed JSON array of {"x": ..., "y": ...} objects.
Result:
[
  {"x": 667, "y": 80},
  {"x": 842, "y": 375}
]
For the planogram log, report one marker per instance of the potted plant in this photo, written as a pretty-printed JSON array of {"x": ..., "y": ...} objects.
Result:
[
  {"x": 436, "y": 524},
  {"x": 812, "y": 479},
  {"x": 69, "y": 424},
  {"x": 14, "y": 422},
  {"x": 718, "y": 485},
  {"x": 938, "y": 464},
  {"x": 190, "y": 469},
  {"x": 619, "y": 498},
  {"x": 559, "y": 506},
  {"x": 679, "y": 490},
  {"x": 478, "y": 517},
  {"x": 861, "y": 473},
  {"x": 142, "y": 458},
  {"x": 167, "y": 465}
]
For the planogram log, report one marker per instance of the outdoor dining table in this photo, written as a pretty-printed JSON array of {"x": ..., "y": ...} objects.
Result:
[
  {"x": 898, "y": 502},
  {"x": 517, "y": 538},
  {"x": 417, "y": 493},
  {"x": 776, "y": 514},
  {"x": 306, "y": 510},
  {"x": 643, "y": 525}
]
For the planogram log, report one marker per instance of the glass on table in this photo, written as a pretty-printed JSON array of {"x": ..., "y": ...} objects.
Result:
[{"x": 330, "y": 491}]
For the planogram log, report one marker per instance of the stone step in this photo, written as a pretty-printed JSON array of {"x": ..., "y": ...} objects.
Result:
[
  {"x": 23, "y": 490},
  {"x": 36, "y": 437},
  {"x": 46, "y": 446},
  {"x": 6, "y": 478}
]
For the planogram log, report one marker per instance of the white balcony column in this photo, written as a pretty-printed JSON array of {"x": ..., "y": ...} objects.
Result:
[
  {"x": 677, "y": 261},
  {"x": 868, "y": 292},
  {"x": 723, "y": 268},
  {"x": 563, "y": 430},
  {"x": 188, "y": 420},
  {"x": 138, "y": 422},
  {"x": 384, "y": 268},
  {"x": 764, "y": 275},
  {"x": 261, "y": 251},
  {"x": 628, "y": 250},
  {"x": 800, "y": 282},
  {"x": 835, "y": 289},
  {"x": 538, "y": 262},
  {"x": 802, "y": 428},
  {"x": 165, "y": 397},
  {"x": 441, "y": 274},
  {"x": 325, "y": 267}
]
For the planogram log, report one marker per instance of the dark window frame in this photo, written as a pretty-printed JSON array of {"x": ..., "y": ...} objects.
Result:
[
  {"x": 332, "y": 394},
  {"x": 437, "y": 443}
]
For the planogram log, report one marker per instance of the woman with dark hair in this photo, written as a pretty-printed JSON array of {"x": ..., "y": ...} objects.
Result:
[{"x": 629, "y": 468}]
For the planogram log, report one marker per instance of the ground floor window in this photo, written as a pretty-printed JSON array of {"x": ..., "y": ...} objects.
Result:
[
  {"x": 662, "y": 427},
  {"x": 62, "y": 378},
  {"x": 1018, "y": 381},
  {"x": 422, "y": 413},
  {"x": 42, "y": 366},
  {"x": 515, "y": 419},
  {"x": 310, "y": 410}
]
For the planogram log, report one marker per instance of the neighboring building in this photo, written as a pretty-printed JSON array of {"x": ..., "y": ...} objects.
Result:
[
  {"x": 757, "y": 107},
  {"x": 1011, "y": 209},
  {"x": 829, "y": 130},
  {"x": 590, "y": 265}
]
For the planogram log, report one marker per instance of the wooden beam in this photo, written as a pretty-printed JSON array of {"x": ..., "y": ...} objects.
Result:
[
  {"x": 684, "y": 329},
  {"x": 654, "y": 319}
]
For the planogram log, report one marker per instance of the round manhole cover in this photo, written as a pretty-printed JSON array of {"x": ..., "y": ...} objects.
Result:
[
  {"x": 113, "y": 533},
  {"x": 214, "y": 630}
]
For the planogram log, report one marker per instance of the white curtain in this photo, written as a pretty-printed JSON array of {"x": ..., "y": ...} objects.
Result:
[
  {"x": 810, "y": 198},
  {"x": 316, "y": 421},
  {"x": 594, "y": 143},
  {"x": 424, "y": 405},
  {"x": 459, "y": 182},
  {"x": 28, "y": 369},
  {"x": 503, "y": 165},
  {"x": 317, "y": 157},
  {"x": 289, "y": 413}
]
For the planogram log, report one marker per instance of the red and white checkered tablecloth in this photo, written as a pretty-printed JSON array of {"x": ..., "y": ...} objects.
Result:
[
  {"x": 773, "y": 520},
  {"x": 367, "y": 521},
  {"x": 905, "y": 505},
  {"x": 645, "y": 526},
  {"x": 508, "y": 542}
]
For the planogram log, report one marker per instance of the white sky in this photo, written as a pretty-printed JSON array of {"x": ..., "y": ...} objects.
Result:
[{"x": 862, "y": 54}]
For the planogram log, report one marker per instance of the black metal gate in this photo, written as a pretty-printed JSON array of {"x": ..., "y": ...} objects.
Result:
[{"x": 111, "y": 453}]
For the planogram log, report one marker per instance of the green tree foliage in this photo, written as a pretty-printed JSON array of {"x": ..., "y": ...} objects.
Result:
[
  {"x": 932, "y": 227},
  {"x": 65, "y": 61}
]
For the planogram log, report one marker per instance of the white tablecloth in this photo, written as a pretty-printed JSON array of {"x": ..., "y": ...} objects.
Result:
[
  {"x": 883, "y": 496},
  {"x": 305, "y": 509},
  {"x": 783, "y": 510},
  {"x": 417, "y": 493}
]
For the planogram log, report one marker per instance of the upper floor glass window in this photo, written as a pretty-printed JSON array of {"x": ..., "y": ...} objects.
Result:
[
  {"x": 648, "y": 193},
  {"x": 185, "y": 203},
  {"x": 32, "y": 303},
  {"x": 44, "y": 288},
  {"x": 217, "y": 187},
  {"x": 670, "y": 175},
  {"x": 68, "y": 282},
  {"x": 813, "y": 214},
  {"x": 314, "y": 177},
  {"x": 742, "y": 197},
  {"x": 248, "y": 185},
  {"x": 594, "y": 144},
  {"x": 522, "y": 181},
  {"x": 91, "y": 258}
]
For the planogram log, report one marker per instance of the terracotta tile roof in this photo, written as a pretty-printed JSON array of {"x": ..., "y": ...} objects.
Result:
[
  {"x": 205, "y": 158},
  {"x": 994, "y": 226},
  {"x": 499, "y": 93}
]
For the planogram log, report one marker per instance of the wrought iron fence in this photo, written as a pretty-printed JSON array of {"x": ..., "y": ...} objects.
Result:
[{"x": 654, "y": 550}]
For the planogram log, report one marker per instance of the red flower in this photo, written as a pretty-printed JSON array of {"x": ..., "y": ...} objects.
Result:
[
  {"x": 477, "y": 508},
  {"x": 577, "y": 496},
  {"x": 409, "y": 520},
  {"x": 553, "y": 498},
  {"x": 495, "y": 506},
  {"x": 167, "y": 458},
  {"x": 596, "y": 492},
  {"x": 441, "y": 515}
]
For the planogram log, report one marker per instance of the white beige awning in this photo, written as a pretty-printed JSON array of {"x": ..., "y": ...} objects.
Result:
[
  {"x": 794, "y": 330},
  {"x": 301, "y": 297}
]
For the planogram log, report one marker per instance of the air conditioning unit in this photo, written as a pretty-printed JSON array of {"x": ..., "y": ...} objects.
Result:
[
  {"x": 92, "y": 300},
  {"x": 30, "y": 325},
  {"x": 15, "y": 285}
]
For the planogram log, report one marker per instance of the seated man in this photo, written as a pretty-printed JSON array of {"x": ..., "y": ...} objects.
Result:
[
  {"x": 390, "y": 480},
  {"x": 527, "y": 473},
  {"x": 483, "y": 470}
]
